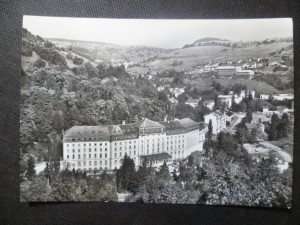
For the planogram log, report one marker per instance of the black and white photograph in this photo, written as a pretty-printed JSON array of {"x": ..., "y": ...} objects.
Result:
[{"x": 179, "y": 111}]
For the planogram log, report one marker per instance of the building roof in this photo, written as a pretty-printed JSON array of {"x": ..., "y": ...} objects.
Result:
[
  {"x": 187, "y": 122},
  {"x": 115, "y": 132},
  {"x": 146, "y": 123},
  {"x": 85, "y": 133}
]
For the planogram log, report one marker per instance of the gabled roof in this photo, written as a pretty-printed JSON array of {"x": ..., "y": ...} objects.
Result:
[{"x": 146, "y": 123}]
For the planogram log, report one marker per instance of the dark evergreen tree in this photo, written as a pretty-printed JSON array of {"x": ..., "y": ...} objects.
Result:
[{"x": 31, "y": 171}]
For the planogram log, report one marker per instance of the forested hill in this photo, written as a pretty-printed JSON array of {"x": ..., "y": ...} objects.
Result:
[{"x": 60, "y": 89}]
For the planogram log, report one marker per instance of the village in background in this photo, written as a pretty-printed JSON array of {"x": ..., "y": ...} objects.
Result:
[{"x": 209, "y": 123}]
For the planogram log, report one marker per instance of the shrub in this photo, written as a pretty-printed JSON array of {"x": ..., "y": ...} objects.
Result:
[{"x": 77, "y": 60}]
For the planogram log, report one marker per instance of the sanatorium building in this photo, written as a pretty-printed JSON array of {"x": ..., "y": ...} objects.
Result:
[{"x": 103, "y": 147}]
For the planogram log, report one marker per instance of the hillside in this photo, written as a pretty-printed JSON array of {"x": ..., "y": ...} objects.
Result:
[
  {"x": 111, "y": 53},
  {"x": 187, "y": 58}
]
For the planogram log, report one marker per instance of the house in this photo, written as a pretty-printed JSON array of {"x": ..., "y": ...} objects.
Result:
[
  {"x": 264, "y": 96},
  {"x": 193, "y": 102},
  {"x": 225, "y": 99},
  {"x": 160, "y": 88},
  {"x": 209, "y": 104},
  {"x": 229, "y": 116},
  {"x": 218, "y": 119},
  {"x": 243, "y": 93},
  {"x": 281, "y": 97},
  {"x": 177, "y": 91},
  {"x": 265, "y": 109},
  {"x": 173, "y": 100}
]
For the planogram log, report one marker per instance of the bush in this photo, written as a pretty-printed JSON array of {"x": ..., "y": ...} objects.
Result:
[
  {"x": 39, "y": 63},
  {"x": 78, "y": 61}
]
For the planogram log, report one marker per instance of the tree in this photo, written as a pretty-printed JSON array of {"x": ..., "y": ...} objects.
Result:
[
  {"x": 164, "y": 171},
  {"x": 31, "y": 165}
]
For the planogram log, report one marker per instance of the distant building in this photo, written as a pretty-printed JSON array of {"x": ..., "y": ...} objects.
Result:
[
  {"x": 103, "y": 147},
  {"x": 173, "y": 100},
  {"x": 177, "y": 91},
  {"x": 243, "y": 93},
  {"x": 281, "y": 97},
  {"x": 218, "y": 120},
  {"x": 160, "y": 88},
  {"x": 229, "y": 116},
  {"x": 209, "y": 104},
  {"x": 227, "y": 99},
  {"x": 265, "y": 109},
  {"x": 193, "y": 102},
  {"x": 244, "y": 74},
  {"x": 264, "y": 96},
  {"x": 225, "y": 71}
]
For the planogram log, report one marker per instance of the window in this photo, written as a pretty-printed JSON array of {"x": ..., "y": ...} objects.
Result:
[
  {"x": 115, "y": 154},
  {"x": 101, "y": 163},
  {"x": 100, "y": 144},
  {"x": 95, "y": 163},
  {"x": 105, "y": 162},
  {"x": 120, "y": 148},
  {"x": 73, "y": 145},
  {"x": 120, "y": 154},
  {"x": 84, "y": 156},
  {"x": 100, "y": 155},
  {"x": 95, "y": 156},
  {"x": 78, "y": 156},
  {"x": 84, "y": 163},
  {"x": 73, "y": 156},
  {"x": 89, "y": 156},
  {"x": 90, "y": 144},
  {"x": 67, "y": 156},
  {"x": 105, "y": 144},
  {"x": 105, "y": 149},
  {"x": 84, "y": 144},
  {"x": 67, "y": 145},
  {"x": 79, "y": 164},
  {"x": 105, "y": 155},
  {"x": 90, "y": 149},
  {"x": 116, "y": 162},
  {"x": 90, "y": 163},
  {"x": 95, "y": 144},
  {"x": 78, "y": 150}
]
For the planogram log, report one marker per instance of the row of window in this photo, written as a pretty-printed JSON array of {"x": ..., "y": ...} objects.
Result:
[
  {"x": 89, "y": 156},
  {"x": 84, "y": 150},
  {"x": 89, "y": 144}
]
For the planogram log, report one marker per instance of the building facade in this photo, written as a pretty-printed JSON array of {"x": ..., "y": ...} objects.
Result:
[
  {"x": 244, "y": 74},
  {"x": 103, "y": 147},
  {"x": 225, "y": 71},
  {"x": 218, "y": 120}
]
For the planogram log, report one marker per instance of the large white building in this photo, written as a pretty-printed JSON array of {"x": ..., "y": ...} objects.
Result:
[
  {"x": 218, "y": 120},
  {"x": 103, "y": 147}
]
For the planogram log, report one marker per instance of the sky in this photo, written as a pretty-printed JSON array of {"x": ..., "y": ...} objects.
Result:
[{"x": 156, "y": 33}]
